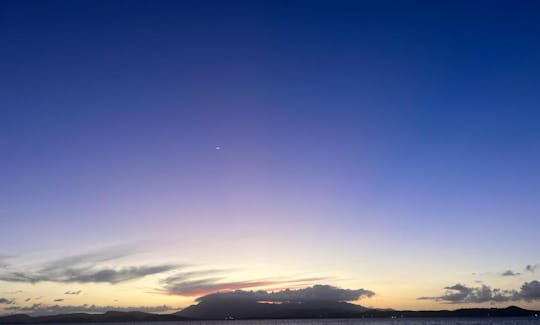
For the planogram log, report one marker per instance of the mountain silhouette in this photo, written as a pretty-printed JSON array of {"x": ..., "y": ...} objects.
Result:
[{"x": 239, "y": 309}]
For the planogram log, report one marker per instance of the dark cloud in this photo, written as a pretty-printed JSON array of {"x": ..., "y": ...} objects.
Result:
[
  {"x": 82, "y": 275},
  {"x": 460, "y": 293},
  {"x": 320, "y": 293},
  {"x": 510, "y": 273},
  {"x": 73, "y": 292},
  {"x": 27, "y": 299},
  {"x": 6, "y": 301},
  {"x": 82, "y": 269},
  {"x": 117, "y": 275},
  {"x": 530, "y": 291},
  {"x": 531, "y": 268},
  {"x": 316, "y": 293},
  {"x": 42, "y": 309},
  {"x": 58, "y": 300}
]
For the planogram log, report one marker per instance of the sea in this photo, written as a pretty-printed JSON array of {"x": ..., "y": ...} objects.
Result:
[{"x": 364, "y": 321}]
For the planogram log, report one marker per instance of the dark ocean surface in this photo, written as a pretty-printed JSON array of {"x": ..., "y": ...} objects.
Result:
[{"x": 379, "y": 321}]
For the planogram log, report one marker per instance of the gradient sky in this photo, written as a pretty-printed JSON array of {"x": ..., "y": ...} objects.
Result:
[{"x": 385, "y": 145}]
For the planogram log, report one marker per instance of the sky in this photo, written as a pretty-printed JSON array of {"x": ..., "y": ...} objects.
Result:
[{"x": 154, "y": 152}]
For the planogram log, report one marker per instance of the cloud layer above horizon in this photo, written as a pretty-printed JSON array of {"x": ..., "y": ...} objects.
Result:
[
  {"x": 315, "y": 293},
  {"x": 460, "y": 293},
  {"x": 84, "y": 268},
  {"x": 201, "y": 285}
]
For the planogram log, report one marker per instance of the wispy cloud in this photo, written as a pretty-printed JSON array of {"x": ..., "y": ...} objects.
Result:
[
  {"x": 460, "y": 293},
  {"x": 206, "y": 286},
  {"x": 73, "y": 292},
  {"x": 42, "y": 309},
  {"x": 58, "y": 300},
  {"x": 503, "y": 273},
  {"x": 85, "y": 268},
  {"x": 12, "y": 292},
  {"x": 198, "y": 283},
  {"x": 3, "y": 258}
]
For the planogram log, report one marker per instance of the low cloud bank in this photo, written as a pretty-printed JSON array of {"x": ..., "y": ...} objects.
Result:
[
  {"x": 510, "y": 273},
  {"x": 316, "y": 293},
  {"x": 6, "y": 301},
  {"x": 460, "y": 293}
]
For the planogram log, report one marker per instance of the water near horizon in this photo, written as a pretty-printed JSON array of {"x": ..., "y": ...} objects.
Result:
[{"x": 376, "y": 321}]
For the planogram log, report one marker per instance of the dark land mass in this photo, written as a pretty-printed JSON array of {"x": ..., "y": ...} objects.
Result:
[
  {"x": 108, "y": 317},
  {"x": 254, "y": 310}
]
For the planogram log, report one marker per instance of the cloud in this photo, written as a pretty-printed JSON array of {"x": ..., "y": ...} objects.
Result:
[
  {"x": 88, "y": 259},
  {"x": 42, "y": 309},
  {"x": 116, "y": 275},
  {"x": 12, "y": 292},
  {"x": 531, "y": 268},
  {"x": 206, "y": 286},
  {"x": 184, "y": 276},
  {"x": 460, "y": 293},
  {"x": 3, "y": 264},
  {"x": 86, "y": 275},
  {"x": 196, "y": 284},
  {"x": 73, "y": 292},
  {"x": 316, "y": 293},
  {"x": 510, "y": 273},
  {"x": 82, "y": 269},
  {"x": 58, "y": 300},
  {"x": 6, "y": 301},
  {"x": 530, "y": 291}
]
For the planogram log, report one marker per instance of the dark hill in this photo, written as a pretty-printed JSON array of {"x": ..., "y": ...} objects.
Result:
[{"x": 110, "y": 316}]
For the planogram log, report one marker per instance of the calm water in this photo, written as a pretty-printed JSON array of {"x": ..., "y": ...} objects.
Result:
[{"x": 409, "y": 321}]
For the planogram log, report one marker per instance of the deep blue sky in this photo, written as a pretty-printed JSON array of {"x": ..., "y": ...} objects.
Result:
[{"x": 407, "y": 125}]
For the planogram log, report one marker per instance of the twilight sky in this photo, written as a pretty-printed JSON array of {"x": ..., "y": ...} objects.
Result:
[{"x": 152, "y": 152}]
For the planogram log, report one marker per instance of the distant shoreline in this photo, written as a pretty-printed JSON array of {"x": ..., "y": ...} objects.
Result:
[{"x": 118, "y": 317}]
